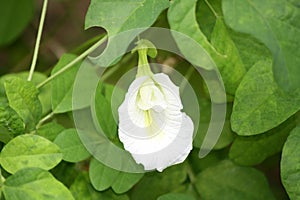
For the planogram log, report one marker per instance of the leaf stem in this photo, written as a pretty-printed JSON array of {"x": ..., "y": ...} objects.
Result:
[
  {"x": 73, "y": 62},
  {"x": 38, "y": 40},
  {"x": 44, "y": 119},
  {"x": 212, "y": 9}
]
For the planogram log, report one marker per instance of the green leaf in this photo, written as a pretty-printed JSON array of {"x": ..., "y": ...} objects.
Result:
[
  {"x": 44, "y": 93},
  {"x": 232, "y": 69},
  {"x": 34, "y": 184},
  {"x": 62, "y": 86},
  {"x": 253, "y": 150},
  {"x": 15, "y": 16},
  {"x": 276, "y": 24},
  {"x": 290, "y": 164},
  {"x": 118, "y": 16},
  {"x": 182, "y": 18},
  {"x": 125, "y": 181},
  {"x": 226, "y": 136},
  {"x": 23, "y": 98},
  {"x": 250, "y": 49},
  {"x": 82, "y": 189},
  {"x": 101, "y": 176},
  {"x": 103, "y": 111},
  {"x": 232, "y": 182},
  {"x": 259, "y": 104},
  {"x": 222, "y": 50},
  {"x": 205, "y": 17},
  {"x": 176, "y": 196},
  {"x": 71, "y": 146},
  {"x": 29, "y": 151},
  {"x": 11, "y": 123},
  {"x": 50, "y": 130},
  {"x": 67, "y": 172},
  {"x": 155, "y": 184}
]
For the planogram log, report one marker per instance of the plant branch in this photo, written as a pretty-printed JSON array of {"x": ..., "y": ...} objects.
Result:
[
  {"x": 38, "y": 40},
  {"x": 73, "y": 62}
]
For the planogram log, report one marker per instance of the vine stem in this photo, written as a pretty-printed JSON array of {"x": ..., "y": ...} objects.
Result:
[
  {"x": 38, "y": 40},
  {"x": 73, "y": 62}
]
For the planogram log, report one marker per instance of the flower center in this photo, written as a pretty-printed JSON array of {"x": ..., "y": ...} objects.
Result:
[{"x": 151, "y": 97}]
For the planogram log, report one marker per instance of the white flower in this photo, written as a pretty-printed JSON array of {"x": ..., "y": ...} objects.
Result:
[{"x": 152, "y": 126}]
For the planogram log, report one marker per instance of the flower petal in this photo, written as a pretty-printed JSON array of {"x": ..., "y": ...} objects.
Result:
[{"x": 151, "y": 126}]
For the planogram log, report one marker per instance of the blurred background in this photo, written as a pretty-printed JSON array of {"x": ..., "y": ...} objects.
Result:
[{"x": 63, "y": 32}]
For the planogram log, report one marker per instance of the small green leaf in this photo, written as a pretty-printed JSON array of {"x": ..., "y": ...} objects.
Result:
[
  {"x": 102, "y": 110},
  {"x": 50, "y": 130},
  {"x": 62, "y": 86},
  {"x": 71, "y": 146},
  {"x": 11, "y": 123},
  {"x": 102, "y": 177},
  {"x": 44, "y": 92},
  {"x": 259, "y": 104},
  {"x": 290, "y": 164},
  {"x": 176, "y": 196},
  {"x": 34, "y": 184},
  {"x": 15, "y": 16},
  {"x": 29, "y": 151},
  {"x": 252, "y": 150},
  {"x": 23, "y": 98},
  {"x": 126, "y": 15},
  {"x": 125, "y": 181},
  {"x": 232, "y": 182},
  {"x": 276, "y": 24},
  {"x": 82, "y": 189}
]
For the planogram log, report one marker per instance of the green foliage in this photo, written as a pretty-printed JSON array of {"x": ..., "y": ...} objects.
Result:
[
  {"x": 176, "y": 196},
  {"x": 253, "y": 150},
  {"x": 126, "y": 15},
  {"x": 103, "y": 111},
  {"x": 233, "y": 182},
  {"x": 29, "y": 151},
  {"x": 50, "y": 130},
  {"x": 155, "y": 184},
  {"x": 34, "y": 184},
  {"x": 71, "y": 146},
  {"x": 82, "y": 189},
  {"x": 15, "y": 16},
  {"x": 290, "y": 163},
  {"x": 23, "y": 98},
  {"x": 259, "y": 104},
  {"x": 102, "y": 177},
  {"x": 271, "y": 20},
  {"x": 62, "y": 86},
  {"x": 253, "y": 46},
  {"x": 221, "y": 48},
  {"x": 11, "y": 123}
]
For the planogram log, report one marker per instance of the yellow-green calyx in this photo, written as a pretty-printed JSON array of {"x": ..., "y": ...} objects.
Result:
[{"x": 144, "y": 48}]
